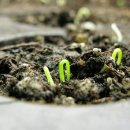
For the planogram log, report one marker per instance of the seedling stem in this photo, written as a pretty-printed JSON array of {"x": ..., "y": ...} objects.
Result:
[
  {"x": 48, "y": 75},
  {"x": 62, "y": 72},
  {"x": 82, "y": 12},
  {"x": 117, "y": 53}
]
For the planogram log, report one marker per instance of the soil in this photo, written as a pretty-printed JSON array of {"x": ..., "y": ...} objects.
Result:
[{"x": 95, "y": 77}]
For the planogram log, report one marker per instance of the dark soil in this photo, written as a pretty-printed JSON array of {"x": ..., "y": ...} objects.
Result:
[
  {"x": 22, "y": 75},
  {"x": 95, "y": 77}
]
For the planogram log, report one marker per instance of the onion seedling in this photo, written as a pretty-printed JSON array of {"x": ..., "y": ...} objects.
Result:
[
  {"x": 117, "y": 53},
  {"x": 48, "y": 75},
  {"x": 82, "y": 13},
  {"x": 117, "y": 32},
  {"x": 62, "y": 72}
]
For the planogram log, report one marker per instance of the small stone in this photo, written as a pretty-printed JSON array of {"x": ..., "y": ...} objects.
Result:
[
  {"x": 88, "y": 26},
  {"x": 96, "y": 51},
  {"x": 126, "y": 83},
  {"x": 71, "y": 27},
  {"x": 68, "y": 101},
  {"x": 109, "y": 81}
]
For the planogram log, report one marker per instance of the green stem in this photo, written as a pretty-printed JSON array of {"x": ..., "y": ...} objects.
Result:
[
  {"x": 82, "y": 13},
  {"x": 62, "y": 71},
  {"x": 117, "y": 53},
  {"x": 48, "y": 75}
]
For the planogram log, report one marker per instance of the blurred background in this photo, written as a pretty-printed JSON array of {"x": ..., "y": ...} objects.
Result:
[
  {"x": 49, "y": 13},
  {"x": 117, "y": 3},
  {"x": 107, "y": 8}
]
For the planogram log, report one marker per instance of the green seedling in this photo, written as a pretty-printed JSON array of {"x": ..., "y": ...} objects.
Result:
[
  {"x": 48, "y": 75},
  {"x": 117, "y": 53},
  {"x": 117, "y": 32},
  {"x": 82, "y": 13},
  {"x": 62, "y": 72}
]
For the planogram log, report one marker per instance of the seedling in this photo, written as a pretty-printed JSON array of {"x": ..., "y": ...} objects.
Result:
[
  {"x": 48, "y": 75},
  {"x": 117, "y": 53},
  {"x": 117, "y": 32},
  {"x": 62, "y": 72},
  {"x": 82, "y": 13}
]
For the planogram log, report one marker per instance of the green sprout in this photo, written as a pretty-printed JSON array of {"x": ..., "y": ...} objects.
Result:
[
  {"x": 48, "y": 75},
  {"x": 117, "y": 53},
  {"x": 83, "y": 12},
  {"x": 117, "y": 32},
  {"x": 62, "y": 72}
]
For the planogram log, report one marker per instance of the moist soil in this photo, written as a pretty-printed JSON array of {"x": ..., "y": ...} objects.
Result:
[
  {"x": 22, "y": 75},
  {"x": 95, "y": 77}
]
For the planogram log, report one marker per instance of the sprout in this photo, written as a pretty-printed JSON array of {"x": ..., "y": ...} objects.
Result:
[
  {"x": 117, "y": 53},
  {"x": 48, "y": 75},
  {"x": 82, "y": 13},
  {"x": 117, "y": 32},
  {"x": 62, "y": 72},
  {"x": 61, "y": 2}
]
